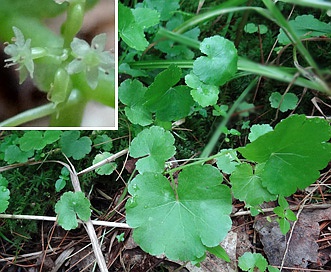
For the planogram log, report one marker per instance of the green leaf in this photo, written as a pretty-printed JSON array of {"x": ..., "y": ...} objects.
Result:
[
  {"x": 258, "y": 130},
  {"x": 220, "y": 64},
  {"x": 37, "y": 140},
  {"x": 305, "y": 26},
  {"x": 249, "y": 261},
  {"x": 168, "y": 102},
  {"x": 69, "y": 207},
  {"x": 227, "y": 162},
  {"x": 131, "y": 93},
  {"x": 131, "y": 30},
  {"x": 14, "y": 154},
  {"x": 106, "y": 169},
  {"x": 73, "y": 146},
  {"x": 293, "y": 153},
  {"x": 286, "y": 102},
  {"x": 250, "y": 28},
  {"x": 204, "y": 94},
  {"x": 60, "y": 184},
  {"x": 156, "y": 146},
  {"x": 165, "y": 8},
  {"x": 282, "y": 202},
  {"x": 247, "y": 186},
  {"x": 4, "y": 194},
  {"x": 219, "y": 252},
  {"x": 183, "y": 225},
  {"x": 284, "y": 225},
  {"x": 290, "y": 215},
  {"x": 103, "y": 142},
  {"x": 32, "y": 140},
  {"x": 146, "y": 17}
]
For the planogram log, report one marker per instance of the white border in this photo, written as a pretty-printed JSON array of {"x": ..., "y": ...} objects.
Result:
[{"x": 116, "y": 94}]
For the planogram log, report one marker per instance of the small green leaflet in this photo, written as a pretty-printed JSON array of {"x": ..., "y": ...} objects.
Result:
[
  {"x": 168, "y": 102},
  {"x": 286, "y": 102},
  {"x": 131, "y": 93},
  {"x": 73, "y": 146},
  {"x": 305, "y": 26},
  {"x": 156, "y": 146},
  {"x": 253, "y": 28},
  {"x": 204, "y": 94},
  {"x": 37, "y": 140},
  {"x": 220, "y": 64},
  {"x": 258, "y": 130},
  {"x": 69, "y": 207},
  {"x": 292, "y": 154},
  {"x": 247, "y": 186},
  {"x": 131, "y": 25},
  {"x": 62, "y": 180},
  {"x": 106, "y": 169},
  {"x": 249, "y": 261},
  {"x": 182, "y": 222},
  {"x": 4, "y": 194}
]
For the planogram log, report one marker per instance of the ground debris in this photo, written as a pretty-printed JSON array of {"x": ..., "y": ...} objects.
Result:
[{"x": 303, "y": 247}]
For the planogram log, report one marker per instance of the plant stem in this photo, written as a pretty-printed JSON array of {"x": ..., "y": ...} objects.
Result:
[
  {"x": 213, "y": 141},
  {"x": 53, "y": 219},
  {"x": 40, "y": 112},
  {"x": 285, "y": 74}
]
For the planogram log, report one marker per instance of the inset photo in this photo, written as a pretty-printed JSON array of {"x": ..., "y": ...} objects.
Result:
[{"x": 57, "y": 64}]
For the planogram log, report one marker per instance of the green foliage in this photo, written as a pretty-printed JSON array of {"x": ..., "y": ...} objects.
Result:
[
  {"x": 131, "y": 25},
  {"x": 253, "y": 28},
  {"x": 4, "y": 194},
  {"x": 106, "y": 169},
  {"x": 249, "y": 261},
  {"x": 305, "y": 26},
  {"x": 284, "y": 214},
  {"x": 293, "y": 149},
  {"x": 182, "y": 220},
  {"x": 167, "y": 102},
  {"x": 37, "y": 140},
  {"x": 227, "y": 161},
  {"x": 219, "y": 65},
  {"x": 247, "y": 185},
  {"x": 62, "y": 180},
  {"x": 75, "y": 146},
  {"x": 284, "y": 102},
  {"x": 69, "y": 207},
  {"x": 131, "y": 93},
  {"x": 155, "y": 145},
  {"x": 258, "y": 130},
  {"x": 165, "y": 9}
]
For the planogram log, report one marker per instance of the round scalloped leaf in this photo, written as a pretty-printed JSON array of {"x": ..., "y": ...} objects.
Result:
[
  {"x": 247, "y": 186},
  {"x": 69, "y": 207},
  {"x": 220, "y": 64},
  {"x": 183, "y": 225},
  {"x": 285, "y": 102},
  {"x": 293, "y": 153},
  {"x": 156, "y": 146},
  {"x": 75, "y": 146}
]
